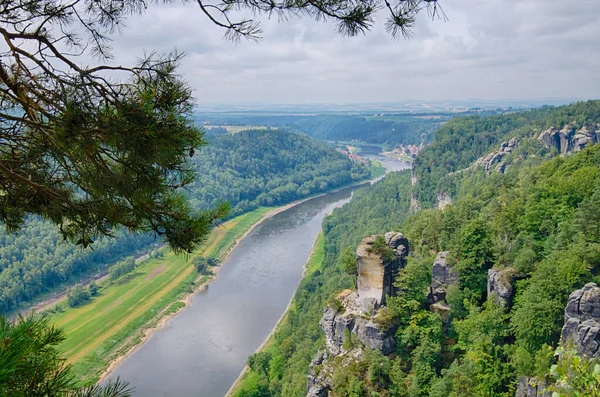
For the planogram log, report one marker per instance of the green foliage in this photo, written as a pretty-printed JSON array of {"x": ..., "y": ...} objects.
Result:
[
  {"x": 538, "y": 218},
  {"x": 267, "y": 168},
  {"x": 575, "y": 376},
  {"x": 30, "y": 364},
  {"x": 248, "y": 169},
  {"x": 259, "y": 362},
  {"x": 122, "y": 268},
  {"x": 203, "y": 264},
  {"x": 348, "y": 261},
  {"x": 93, "y": 288},
  {"x": 77, "y": 295}
]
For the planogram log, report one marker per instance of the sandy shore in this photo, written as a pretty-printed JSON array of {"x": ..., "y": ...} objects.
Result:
[{"x": 187, "y": 300}]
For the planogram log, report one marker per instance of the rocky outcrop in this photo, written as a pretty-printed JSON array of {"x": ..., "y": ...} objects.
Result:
[
  {"x": 351, "y": 325},
  {"x": 495, "y": 160},
  {"x": 500, "y": 285},
  {"x": 375, "y": 275},
  {"x": 317, "y": 386},
  {"x": 582, "y": 321},
  {"x": 414, "y": 204},
  {"x": 569, "y": 138},
  {"x": 442, "y": 276},
  {"x": 339, "y": 326},
  {"x": 444, "y": 200},
  {"x": 532, "y": 387}
]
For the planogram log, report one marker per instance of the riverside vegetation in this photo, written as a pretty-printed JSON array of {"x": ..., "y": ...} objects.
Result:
[
  {"x": 533, "y": 221},
  {"x": 250, "y": 170},
  {"x": 106, "y": 320}
]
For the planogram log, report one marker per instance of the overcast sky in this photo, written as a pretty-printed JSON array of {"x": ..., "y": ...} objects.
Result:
[{"x": 492, "y": 49}]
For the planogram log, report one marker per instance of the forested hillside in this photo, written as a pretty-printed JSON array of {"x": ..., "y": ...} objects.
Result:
[
  {"x": 392, "y": 129},
  {"x": 533, "y": 229},
  {"x": 265, "y": 168},
  {"x": 250, "y": 169},
  {"x": 464, "y": 139}
]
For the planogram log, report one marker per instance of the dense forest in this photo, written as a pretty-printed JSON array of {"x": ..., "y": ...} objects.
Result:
[
  {"x": 36, "y": 259},
  {"x": 391, "y": 129},
  {"x": 265, "y": 168},
  {"x": 250, "y": 169},
  {"x": 537, "y": 224}
]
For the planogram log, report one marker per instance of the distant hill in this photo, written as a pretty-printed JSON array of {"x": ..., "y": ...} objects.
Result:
[{"x": 266, "y": 168}]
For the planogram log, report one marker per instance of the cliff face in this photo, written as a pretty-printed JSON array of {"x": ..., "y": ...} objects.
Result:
[
  {"x": 376, "y": 276},
  {"x": 352, "y": 325},
  {"x": 569, "y": 138},
  {"x": 582, "y": 321}
]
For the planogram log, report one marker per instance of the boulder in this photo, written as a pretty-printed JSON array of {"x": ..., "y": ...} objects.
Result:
[
  {"x": 565, "y": 138},
  {"x": 442, "y": 276},
  {"x": 582, "y": 321},
  {"x": 500, "y": 285},
  {"x": 550, "y": 138}
]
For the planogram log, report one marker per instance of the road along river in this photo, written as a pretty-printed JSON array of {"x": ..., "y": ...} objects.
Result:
[{"x": 202, "y": 350}]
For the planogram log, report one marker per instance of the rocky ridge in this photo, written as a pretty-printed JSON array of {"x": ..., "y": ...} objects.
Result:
[{"x": 569, "y": 138}]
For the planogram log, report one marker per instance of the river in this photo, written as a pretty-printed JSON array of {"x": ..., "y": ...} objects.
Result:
[{"x": 203, "y": 349}]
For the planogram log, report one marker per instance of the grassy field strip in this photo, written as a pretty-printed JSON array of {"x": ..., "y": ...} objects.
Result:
[
  {"x": 139, "y": 309},
  {"x": 114, "y": 321},
  {"x": 247, "y": 380}
]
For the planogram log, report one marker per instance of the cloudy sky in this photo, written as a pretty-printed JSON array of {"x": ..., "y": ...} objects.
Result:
[{"x": 493, "y": 49}]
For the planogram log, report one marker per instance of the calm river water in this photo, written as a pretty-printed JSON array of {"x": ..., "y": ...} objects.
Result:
[{"x": 202, "y": 350}]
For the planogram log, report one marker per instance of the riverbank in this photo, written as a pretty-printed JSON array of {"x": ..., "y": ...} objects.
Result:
[
  {"x": 247, "y": 380},
  {"x": 127, "y": 311},
  {"x": 104, "y": 332}
]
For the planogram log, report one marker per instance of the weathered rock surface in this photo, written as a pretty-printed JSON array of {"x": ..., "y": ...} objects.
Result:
[
  {"x": 354, "y": 318},
  {"x": 338, "y": 326},
  {"x": 582, "y": 320},
  {"x": 318, "y": 386},
  {"x": 495, "y": 160},
  {"x": 414, "y": 204},
  {"x": 376, "y": 276},
  {"x": 500, "y": 285},
  {"x": 569, "y": 138},
  {"x": 444, "y": 200},
  {"x": 442, "y": 276},
  {"x": 531, "y": 387}
]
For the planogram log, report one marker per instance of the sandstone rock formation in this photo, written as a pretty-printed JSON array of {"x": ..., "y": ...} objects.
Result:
[
  {"x": 352, "y": 326},
  {"x": 500, "y": 285},
  {"x": 355, "y": 320},
  {"x": 496, "y": 158},
  {"x": 414, "y": 204},
  {"x": 376, "y": 276},
  {"x": 444, "y": 200},
  {"x": 569, "y": 138},
  {"x": 582, "y": 321},
  {"x": 532, "y": 387},
  {"x": 442, "y": 276}
]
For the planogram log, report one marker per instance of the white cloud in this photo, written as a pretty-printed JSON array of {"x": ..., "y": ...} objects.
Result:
[{"x": 497, "y": 49}]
